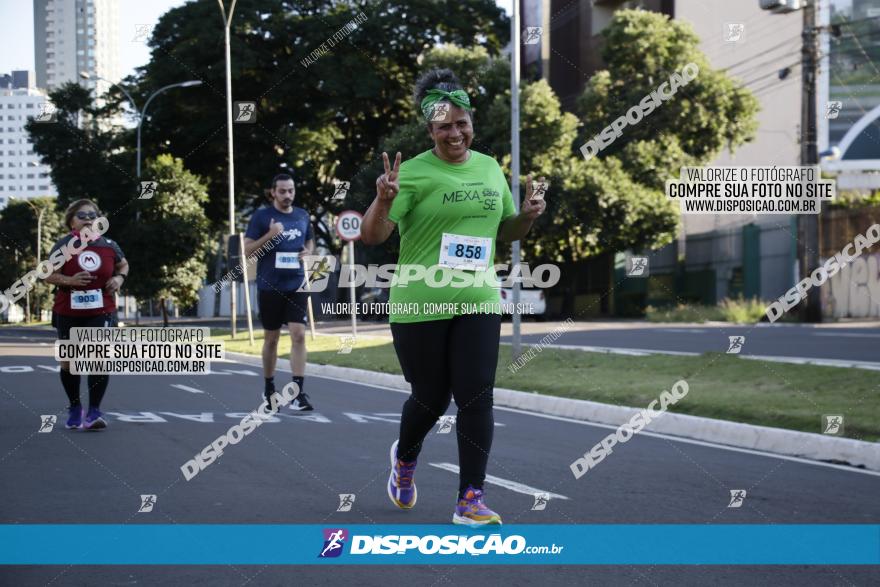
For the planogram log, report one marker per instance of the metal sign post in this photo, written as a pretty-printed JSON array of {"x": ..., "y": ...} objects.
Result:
[
  {"x": 247, "y": 293},
  {"x": 348, "y": 227},
  {"x": 309, "y": 302}
]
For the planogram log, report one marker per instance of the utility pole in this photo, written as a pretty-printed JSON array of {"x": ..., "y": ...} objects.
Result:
[
  {"x": 514, "y": 169},
  {"x": 808, "y": 224},
  {"x": 227, "y": 23}
]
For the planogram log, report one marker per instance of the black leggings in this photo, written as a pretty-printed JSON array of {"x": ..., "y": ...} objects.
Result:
[
  {"x": 445, "y": 359},
  {"x": 70, "y": 382}
]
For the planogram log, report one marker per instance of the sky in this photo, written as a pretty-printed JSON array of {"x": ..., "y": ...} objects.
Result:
[{"x": 17, "y": 40}]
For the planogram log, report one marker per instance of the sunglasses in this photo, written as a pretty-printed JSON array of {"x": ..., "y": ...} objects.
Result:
[{"x": 86, "y": 215}]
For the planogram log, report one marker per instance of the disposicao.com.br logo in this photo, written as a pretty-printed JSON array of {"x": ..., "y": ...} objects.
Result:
[{"x": 431, "y": 544}]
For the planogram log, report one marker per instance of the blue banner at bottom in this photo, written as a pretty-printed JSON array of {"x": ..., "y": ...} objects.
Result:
[{"x": 252, "y": 544}]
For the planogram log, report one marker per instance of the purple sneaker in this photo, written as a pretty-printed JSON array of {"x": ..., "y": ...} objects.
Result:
[
  {"x": 94, "y": 421},
  {"x": 471, "y": 511},
  {"x": 401, "y": 487},
  {"x": 74, "y": 417}
]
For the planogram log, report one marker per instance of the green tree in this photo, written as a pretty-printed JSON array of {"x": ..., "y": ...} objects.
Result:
[
  {"x": 87, "y": 159},
  {"x": 323, "y": 119},
  {"x": 166, "y": 247},
  {"x": 18, "y": 254}
]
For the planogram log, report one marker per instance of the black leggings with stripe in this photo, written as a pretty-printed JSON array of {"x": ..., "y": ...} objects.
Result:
[{"x": 442, "y": 360}]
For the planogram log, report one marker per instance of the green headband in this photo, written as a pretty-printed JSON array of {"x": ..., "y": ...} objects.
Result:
[{"x": 457, "y": 97}]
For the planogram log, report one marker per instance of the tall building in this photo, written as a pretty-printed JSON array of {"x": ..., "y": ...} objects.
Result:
[
  {"x": 72, "y": 36},
  {"x": 23, "y": 78},
  {"x": 22, "y": 174}
]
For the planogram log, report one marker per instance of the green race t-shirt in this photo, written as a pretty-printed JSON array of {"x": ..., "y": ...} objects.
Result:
[{"x": 466, "y": 202}]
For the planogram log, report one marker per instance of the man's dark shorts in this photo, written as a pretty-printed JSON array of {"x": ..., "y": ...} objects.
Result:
[{"x": 278, "y": 308}]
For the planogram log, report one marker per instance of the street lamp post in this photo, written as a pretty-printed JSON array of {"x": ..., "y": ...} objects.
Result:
[
  {"x": 227, "y": 23},
  {"x": 39, "y": 212},
  {"x": 516, "y": 347},
  {"x": 142, "y": 114}
]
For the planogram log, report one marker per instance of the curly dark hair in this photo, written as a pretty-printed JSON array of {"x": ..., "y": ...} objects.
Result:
[{"x": 442, "y": 79}]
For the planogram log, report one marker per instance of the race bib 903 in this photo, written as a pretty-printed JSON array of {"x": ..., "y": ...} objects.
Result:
[
  {"x": 464, "y": 252},
  {"x": 90, "y": 299},
  {"x": 287, "y": 260}
]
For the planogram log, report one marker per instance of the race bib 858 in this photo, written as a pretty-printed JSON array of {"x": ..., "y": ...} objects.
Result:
[{"x": 464, "y": 252}]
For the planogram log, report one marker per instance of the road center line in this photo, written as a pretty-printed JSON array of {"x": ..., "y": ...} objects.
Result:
[
  {"x": 511, "y": 485},
  {"x": 187, "y": 388}
]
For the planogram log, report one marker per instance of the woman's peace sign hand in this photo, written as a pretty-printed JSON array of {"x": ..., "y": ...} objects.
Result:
[{"x": 387, "y": 185}]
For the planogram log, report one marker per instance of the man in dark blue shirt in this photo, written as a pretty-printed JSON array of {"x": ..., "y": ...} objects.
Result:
[{"x": 282, "y": 235}]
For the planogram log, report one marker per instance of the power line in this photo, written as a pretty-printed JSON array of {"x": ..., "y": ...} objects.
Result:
[
  {"x": 773, "y": 48},
  {"x": 764, "y": 63}
]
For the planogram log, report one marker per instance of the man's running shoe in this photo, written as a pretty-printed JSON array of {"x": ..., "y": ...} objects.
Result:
[
  {"x": 266, "y": 395},
  {"x": 471, "y": 511},
  {"x": 74, "y": 417},
  {"x": 301, "y": 403},
  {"x": 401, "y": 487},
  {"x": 94, "y": 421}
]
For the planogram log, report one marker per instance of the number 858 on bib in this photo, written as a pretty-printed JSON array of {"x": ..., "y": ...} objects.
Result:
[{"x": 464, "y": 252}]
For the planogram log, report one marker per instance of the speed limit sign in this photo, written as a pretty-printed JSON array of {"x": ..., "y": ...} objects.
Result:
[{"x": 348, "y": 225}]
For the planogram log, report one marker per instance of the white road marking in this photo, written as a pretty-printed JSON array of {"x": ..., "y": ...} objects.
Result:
[
  {"x": 685, "y": 330},
  {"x": 365, "y": 418},
  {"x": 505, "y": 483},
  {"x": 204, "y": 417},
  {"x": 397, "y": 415},
  {"x": 795, "y": 360},
  {"x": 231, "y": 372},
  {"x": 187, "y": 388},
  {"x": 853, "y": 334}
]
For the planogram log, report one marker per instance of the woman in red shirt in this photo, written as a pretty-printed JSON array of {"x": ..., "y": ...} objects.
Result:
[{"x": 85, "y": 297}]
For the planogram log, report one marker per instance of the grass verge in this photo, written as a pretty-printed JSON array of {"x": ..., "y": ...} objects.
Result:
[{"x": 721, "y": 386}]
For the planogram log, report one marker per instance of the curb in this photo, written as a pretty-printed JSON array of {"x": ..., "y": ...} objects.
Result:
[{"x": 817, "y": 447}]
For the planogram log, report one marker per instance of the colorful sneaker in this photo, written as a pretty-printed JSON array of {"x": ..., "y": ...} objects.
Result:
[
  {"x": 94, "y": 421},
  {"x": 471, "y": 511},
  {"x": 74, "y": 417},
  {"x": 401, "y": 487}
]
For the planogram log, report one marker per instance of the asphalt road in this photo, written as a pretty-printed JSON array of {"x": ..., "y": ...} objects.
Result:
[
  {"x": 292, "y": 470},
  {"x": 850, "y": 344},
  {"x": 856, "y": 343}
]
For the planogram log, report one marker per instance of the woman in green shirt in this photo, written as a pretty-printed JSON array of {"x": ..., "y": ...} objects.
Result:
[{"x": 451, "y": 205}]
